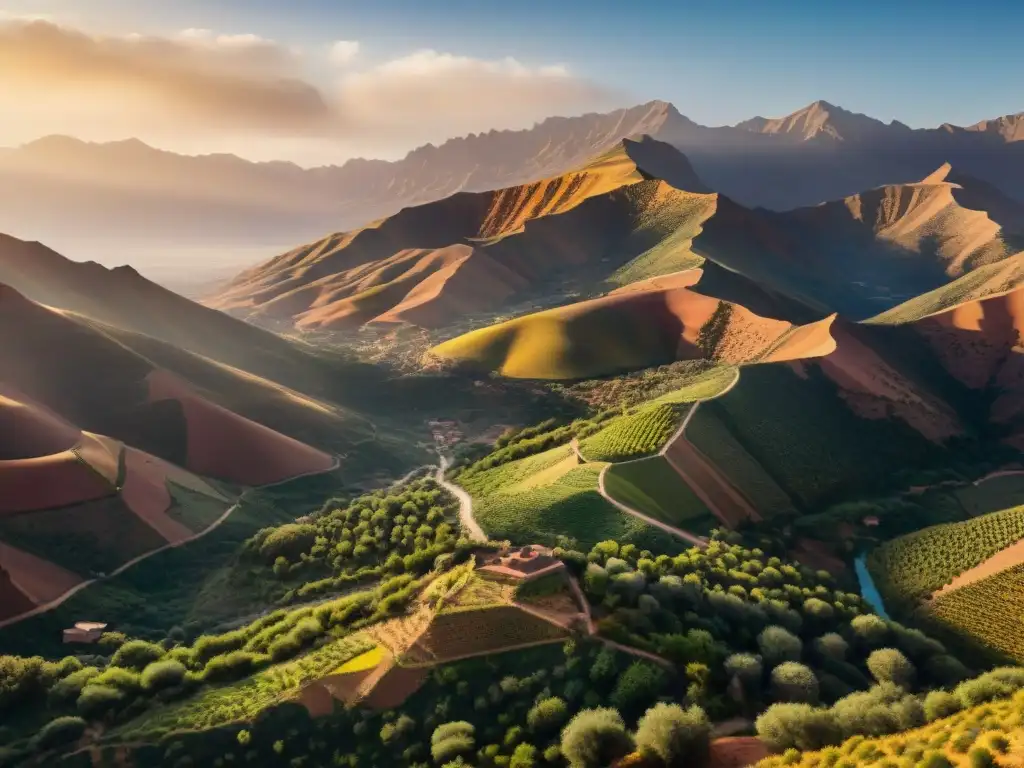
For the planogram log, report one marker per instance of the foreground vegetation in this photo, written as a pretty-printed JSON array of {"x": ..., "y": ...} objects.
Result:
[{"x": 977, "y": 724}]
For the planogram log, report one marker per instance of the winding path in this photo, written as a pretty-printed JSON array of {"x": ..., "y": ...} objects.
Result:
[
  {"x": 56, "y": 602},
  {"x": 677, "y": 435},
  {"x": 469, "y": 523}
]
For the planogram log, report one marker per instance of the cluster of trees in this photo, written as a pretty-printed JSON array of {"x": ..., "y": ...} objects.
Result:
[
  {"x": 518, "y": 444},
  {"x": 531, "y": 709},
  {"x": 379, "y": 534},
  {"x": 141, "y": 674},
  {"x": 749, "y": 629},
  {"x": 888, "y": 707},
  {"x": 637, "y": 387}
]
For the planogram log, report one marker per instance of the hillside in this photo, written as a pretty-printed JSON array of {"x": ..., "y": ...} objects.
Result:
[
  {"x": 629, "y": 330},
  {"x": 127, "y": 200},
  {"x": 75, "y": 504},
  {"x": 861, "y": 254},
  {"x": 124, "y": 299},
  {"x": 48, "y": 356},
  {"x": 973, "y": 328},
  {"x": 638, "y": 207}
]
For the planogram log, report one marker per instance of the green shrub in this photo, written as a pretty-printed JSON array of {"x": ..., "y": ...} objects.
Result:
[
  {"x": 799, "y": 726},
  {"x": 778, "y": 645},
  {"x": 63, "y": 730},
  {"x": 137, "y": 655},
  {"x": 795, "y": 682},
  {"x": 832, "y": 646},
  {"x": 524, "y": 756},
  {"x": 163, "y": 674},
  {"x": 595, "y": 738},
  {"x": 981, "y": 758},
  {"x": 230, "y": 666},
  {"x": 674, "y": 735},
  {"x": 547, "y": 715},
  {"x": 636, "y": 687},
  {"x": 452, "y": 740},
  {"x": 940, "y": 704},
  {"x": 97, "y": 700},
  {"x": 288, "y": 541},
  {"x": 888, "y": 665}
]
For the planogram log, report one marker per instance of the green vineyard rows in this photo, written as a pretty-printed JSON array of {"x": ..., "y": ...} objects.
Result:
[
  {"x": 989, "y": 610},
  {"x": 912, "y": 567},
  {"x": 635, "y": 435}
]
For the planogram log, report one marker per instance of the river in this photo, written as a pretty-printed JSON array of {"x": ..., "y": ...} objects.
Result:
[{"x": 867, "y": 586}]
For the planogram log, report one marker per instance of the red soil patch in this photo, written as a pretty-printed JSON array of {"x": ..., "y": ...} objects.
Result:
[
  {"x": 13, "y": 602},
  {"x": 225, "y": 445},
  {"x": 397, "y": 685},
  {"x": 470, "y": 280},
  {"x": 684, "y": 279},
  {"x": 39, "y": 580},
  {"x": 875, "y": 390},
  {"x": 811, "y": 340},
  {"x": 321, "y": 696},
  {"x": 1007, "y": 558},
  {"x": 145, "y": 493},
  {"x": 45, "y": 483},
  {"x": 47, "y": 474},
  {"x": 737, "y": 752},
  {"x": 28, "y": 430},
  {"x": 713, "y": 488},
  {"x": 972, "y": 340}
]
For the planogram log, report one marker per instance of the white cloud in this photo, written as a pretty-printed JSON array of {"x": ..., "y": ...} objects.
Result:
[
  {"x": 343, "y": 51},
  {"x": 437, "y": 95},
  {"x": 200, "y": 85}
]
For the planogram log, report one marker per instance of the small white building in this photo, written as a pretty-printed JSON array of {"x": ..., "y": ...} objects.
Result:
[{"x": 84, "y": 632}]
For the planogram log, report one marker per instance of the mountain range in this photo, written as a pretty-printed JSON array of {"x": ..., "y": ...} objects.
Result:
[{"x": 126, "y": 201}]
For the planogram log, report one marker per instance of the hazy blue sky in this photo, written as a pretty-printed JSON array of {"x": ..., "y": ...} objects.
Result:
[{"x": 718, "y": 61}]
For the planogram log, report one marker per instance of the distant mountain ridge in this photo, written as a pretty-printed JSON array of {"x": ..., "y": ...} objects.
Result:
[{"x": 124, "y": 200}]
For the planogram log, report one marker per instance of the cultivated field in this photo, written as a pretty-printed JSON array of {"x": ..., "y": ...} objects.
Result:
[
  {"x": 653, "y": 487},
  {"x": 634, "y": 435},
  {"x": 909, "y": 569}
]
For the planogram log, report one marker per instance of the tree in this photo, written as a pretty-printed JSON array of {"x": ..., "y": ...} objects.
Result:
[
  {"x": 940, "y": 704},
  {"x": 869, "y": 630},
  {"x": 547, "y": 715},
  {"x": 797, "y": 726},
  {"x": 524, "y": 756},
  {"x": 778, "y": 645},
  {"x": 63, "y": 730},
  {"x": 97, "y": 700},
  {"x": 452, "y": 740},
  {"x": 595, "y": 738},
  {"x": 888, "y": 665},
  {"x": 636, "y": 687},
  {"x": 747, "y": 668},
  {"x": 678, "y": 737},
  {"x": 832, "y": 646},
  {"x": 137, "y": 655},
  {"x": 163, "y": 674},
  {"x": 792, "y": 681}
]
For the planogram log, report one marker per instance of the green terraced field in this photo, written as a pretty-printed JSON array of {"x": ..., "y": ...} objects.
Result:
[
  {"x": 651, "y": 486},
  {"x": 988, "y": 610},
  {"x": 569, "y": 507},
  {"x": 635, "y": 435},
  {"x": 715, "y": 441},
  {"x": 912, "y": 567}
]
